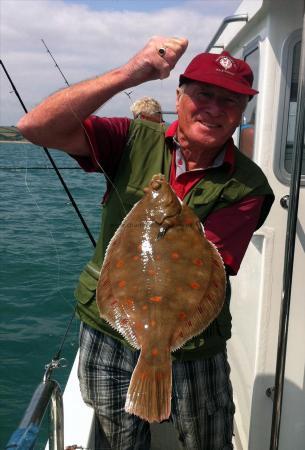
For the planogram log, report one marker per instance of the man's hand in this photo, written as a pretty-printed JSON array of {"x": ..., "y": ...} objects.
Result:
[
  {"x": 57, "y": 121},
  {"x": 148, "y": 64}
]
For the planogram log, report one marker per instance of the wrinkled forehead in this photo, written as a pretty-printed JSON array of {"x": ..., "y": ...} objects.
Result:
[{"x": 195, "y": 86}]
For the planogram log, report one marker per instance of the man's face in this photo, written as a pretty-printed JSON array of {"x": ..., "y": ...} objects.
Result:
[{"x": 208, "y": 114}]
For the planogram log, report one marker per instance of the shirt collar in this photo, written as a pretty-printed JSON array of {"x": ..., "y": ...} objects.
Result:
[{"x": 225, "y": 158}]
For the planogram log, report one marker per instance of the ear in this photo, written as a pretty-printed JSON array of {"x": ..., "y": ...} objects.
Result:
[{"x": 178, "y": 97}]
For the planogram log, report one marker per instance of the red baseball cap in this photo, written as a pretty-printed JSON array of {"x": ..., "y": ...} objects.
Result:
[{"x": 221, "y": 70}]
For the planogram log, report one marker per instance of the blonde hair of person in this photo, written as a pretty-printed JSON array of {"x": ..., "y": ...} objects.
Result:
[{"x": 147, "y": 108}]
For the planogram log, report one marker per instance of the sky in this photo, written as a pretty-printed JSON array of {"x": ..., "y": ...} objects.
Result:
[{"x": 90, "y": 37}]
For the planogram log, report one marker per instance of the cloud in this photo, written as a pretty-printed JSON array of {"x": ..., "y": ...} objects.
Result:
[{"x": 87, "y": 42}]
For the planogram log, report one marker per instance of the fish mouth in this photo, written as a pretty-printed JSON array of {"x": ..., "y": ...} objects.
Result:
[{"x": 157, "y": 181}]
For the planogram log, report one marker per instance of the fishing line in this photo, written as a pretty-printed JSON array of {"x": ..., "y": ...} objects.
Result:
[
  {"x": 113, "y": 186},
  {"x": 55, "y": 361},
  {"x": 53, "y": 240},
  {"x": 56, "y": 357},
  {"x": 85, "y": 131},
  {"x": 53, "y": 164},
  {"x": 49, "y": 231}
]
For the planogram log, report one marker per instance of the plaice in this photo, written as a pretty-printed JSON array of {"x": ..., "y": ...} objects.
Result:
[{"x": 162, "y": 282}]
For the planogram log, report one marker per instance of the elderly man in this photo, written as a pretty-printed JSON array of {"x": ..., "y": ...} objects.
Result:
[{"x": 228, "y": 192}]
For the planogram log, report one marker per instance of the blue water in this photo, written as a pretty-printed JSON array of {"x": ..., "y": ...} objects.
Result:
[{"x": 43, "y": 249}]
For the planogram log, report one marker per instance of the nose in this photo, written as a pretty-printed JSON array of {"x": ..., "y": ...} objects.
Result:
[{"x": 214, "y": 107}]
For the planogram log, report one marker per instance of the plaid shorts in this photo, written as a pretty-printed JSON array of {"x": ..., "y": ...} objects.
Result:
[{"x": 202, "y": 403}]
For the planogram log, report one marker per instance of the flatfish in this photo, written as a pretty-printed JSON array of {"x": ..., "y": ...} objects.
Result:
[{"x": 162, "y": 282}]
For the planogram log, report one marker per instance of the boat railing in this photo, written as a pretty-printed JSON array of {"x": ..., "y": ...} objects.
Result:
[
  {"x": 48, "y": 393},
  {"x": 224, "y": 24}
]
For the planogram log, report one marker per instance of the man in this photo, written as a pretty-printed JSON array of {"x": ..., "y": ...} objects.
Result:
[
  {"x": 227, "y": 191},
  {"x": 147, "y": 108}
]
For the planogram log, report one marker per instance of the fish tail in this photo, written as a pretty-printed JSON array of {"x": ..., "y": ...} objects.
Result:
[{"x": 150, "y": 389}]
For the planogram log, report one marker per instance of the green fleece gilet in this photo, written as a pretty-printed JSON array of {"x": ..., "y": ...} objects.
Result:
[{"x": 147, "y": 152}]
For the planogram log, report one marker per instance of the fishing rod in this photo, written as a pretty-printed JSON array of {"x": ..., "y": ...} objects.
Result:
[
  {"x": 56, "y": 65},
  {"x": 56, "y": 360},
  {"x": 53, "y": 164}
]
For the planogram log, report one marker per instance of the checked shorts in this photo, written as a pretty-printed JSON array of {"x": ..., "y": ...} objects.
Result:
[{"x": 202, "y": 404}]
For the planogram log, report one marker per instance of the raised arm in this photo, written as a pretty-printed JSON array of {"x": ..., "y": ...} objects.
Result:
[{"x": 57, "y": 121}]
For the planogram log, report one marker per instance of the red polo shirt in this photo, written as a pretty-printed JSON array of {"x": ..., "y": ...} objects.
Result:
[{"x": 230, "y": 228}]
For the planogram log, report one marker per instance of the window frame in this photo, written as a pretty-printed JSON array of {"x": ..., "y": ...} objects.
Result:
[
  {"x": 248, "y": 49},
  {"x": 283, "y": 108}
]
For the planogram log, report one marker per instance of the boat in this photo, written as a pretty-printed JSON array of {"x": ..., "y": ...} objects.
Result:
[
  {"x": 266, "y": 353},
  {"x": 267, "y": 305}
]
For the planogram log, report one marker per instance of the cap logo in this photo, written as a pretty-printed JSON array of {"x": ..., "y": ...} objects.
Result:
[{"x": 225, "y": 62}]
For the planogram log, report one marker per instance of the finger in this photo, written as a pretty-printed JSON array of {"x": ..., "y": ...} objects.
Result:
[
  {"x": 176, "y": 45},
  {"x": 171, "y": 50},
  {"x": 165, "y": 72}
]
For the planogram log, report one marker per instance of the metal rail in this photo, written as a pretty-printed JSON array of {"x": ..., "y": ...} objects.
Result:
[
  {"x": 224, "y": 24},
  {"x": 25, "y": 436},
  {"x": 289, "y": 251}
]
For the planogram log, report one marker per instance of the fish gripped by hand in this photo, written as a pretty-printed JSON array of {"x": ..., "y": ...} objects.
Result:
[{"x": 162, "y": 282}]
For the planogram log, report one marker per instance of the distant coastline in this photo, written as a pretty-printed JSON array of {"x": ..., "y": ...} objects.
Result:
[
  {"x": 11, "y": 134},
  {"x": 9, "y": 141}
]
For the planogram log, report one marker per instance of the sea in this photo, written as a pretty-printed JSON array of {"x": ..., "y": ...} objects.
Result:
[{"x": 43, "y": 249}]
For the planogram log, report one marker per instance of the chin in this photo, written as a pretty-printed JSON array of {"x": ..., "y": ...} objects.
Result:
[{"x": 207, "y": 140}]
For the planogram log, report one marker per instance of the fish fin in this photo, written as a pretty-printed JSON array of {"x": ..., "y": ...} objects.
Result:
[
  {"x": 210, "y": 306},
  {"x": 112, "y": 311},
  {"x": 150, "y": 389}
]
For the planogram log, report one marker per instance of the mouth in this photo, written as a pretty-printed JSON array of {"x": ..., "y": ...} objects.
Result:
[{"x": 209, "y": 125}]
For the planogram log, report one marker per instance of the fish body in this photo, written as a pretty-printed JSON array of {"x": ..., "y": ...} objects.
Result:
[{"x": 162, "y": 282}]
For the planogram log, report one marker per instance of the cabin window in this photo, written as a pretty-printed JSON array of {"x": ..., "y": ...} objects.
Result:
[
  {"x": 292, "y": 108},
  {"x": 247, "y": 128},
  {"x": 290, "y": 67}
]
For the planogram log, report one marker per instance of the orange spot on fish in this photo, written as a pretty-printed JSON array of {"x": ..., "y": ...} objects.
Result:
[
  {"x": 136, "y": 257},
  {"x": 123, "y": 322},
  {"x": 157, "y": 257},
  {"x": 181, "y": 334},
  {"x": 138, "y": 326},
  {"x": 175, "y": 255},
  {"x": 119, "y": 264},
  {"x": 154, "y": 351},
  {"x": 198, "y": 262},
  {"x": 122, "y": 283},
  {"x": 151, "y": 272},
  {"x": 155, "y": 298},
  {"x": 114, "y": 303},
  {"x": 129, "y": 302},
  {"x": 182, "y": 315},
  {"x": 144, "y": 307},
  {"x": 153, "y": 323},
  {"x": 188, "y": 220},
  {"x": 195, "y": 285}
]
